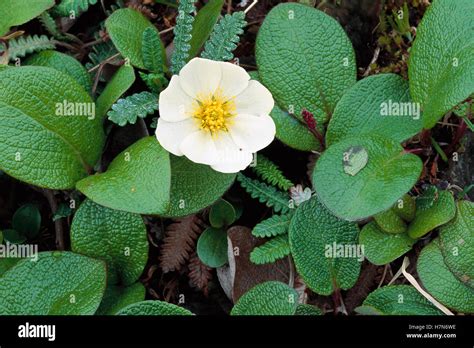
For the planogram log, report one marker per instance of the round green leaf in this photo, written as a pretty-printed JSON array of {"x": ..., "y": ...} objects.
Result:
[
  {"x": 457, "y": 243},
  {"x": 16, "y": 12},
  {"x": 387, "y": 176},
  {"x": 51, "y": 142},
  {"x": 58, "y": 283},
  {"x": 222, "y": 214},
  {"x": 212, "y": 247},
  {"x": 117, "y": 237},
  {"x": 27, "y": 220},
  {"x": 14, "y": 237},
  {"x": 117, "y": 297},
  {"x": 324, "y": 248},
  {"x": 397, "y": 300},
  {"x": 379, "y": 104},
  {"x": 153, "y": 308},
  {"x": 269, "y": 298},
  {"x": 442, "y": 210},
  {"x": 390, "y": 222},
  {"x": 305, "y": 59},
  {"x": 63, "y": 63},
  {"x": 125, "y": 28},
  {"x": 441, "y": 68},
  {"x": 380, "y": 247},
  {"x": 441, "y": 283}
]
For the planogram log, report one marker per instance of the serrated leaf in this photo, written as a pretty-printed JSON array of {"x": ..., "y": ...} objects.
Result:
[
  {"x": 63, "y": 63},
  {"x": 42, "y": 144},
  {"x": 380, "y": 247},
  {"x": 397, "y": 300},
  {"x": 152, "y": 51},
  {"x": 272, "y": 250},
  {"x": 45, "y": 287},
  {"x": 270, "y": 172},
  {"x": 312, "y": 72},
  {"x": 306, "y": 309},
  {"x": 222, "y": 214},
  {"x": 317, "y": 238},
  {"x": 274, "y": 226},
  {"x": 116, "y": 237},
  {"x": 182, "y": 34},
  {"x": 153, "y": 308},
  {"x": 438, "y": 280},
  {"x": 388, "y": 175},
  {"x": 125, "y": 28},
  {"x": 269, "y": 195},
  {"x": 127, "y": 110},
  {"x": 16, "y": 12},
  {"x": 269, "y": 298},
  {"x": 457, "y": 243},
  {"x": 27, "y": 220},
  {"x": 212, "y": 247},
  {"x": 28, "y": 44},
  {"x": 379, "y": 104},
  {"x": 441, "y": 68},
  {"x": 118, "y": 297},
  {"x": 65, "y": 7},
  {"x": 121, "y": 81},
  {"x": 440, "y": 212}
]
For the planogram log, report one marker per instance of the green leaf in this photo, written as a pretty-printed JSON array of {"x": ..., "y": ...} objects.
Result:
[
  {"x": 390, "y": 222},
  {"x": 274, "y": 226},
  {"x": 388, "y": 175},
  {"x": 118, "y": 297},
  {"x": 128, "y": 110},
  {"x": 63, "y": 63},
  {"x": 405, "y": 208},
  {"x": 324, "y": 248},
  {"x": 116, "y": 237},
  {"x": 16, "y": 12},
  {"x": 28, "y": 44},
  {"x": 138, "y": 180},
  {"x": 306, "y": 309},
  {"x": 270, "y": 172},
  {"x": 275, "y": 249},
  {"x": 222, "y": 214},
  {"x": 6, "y": 263},
  {"x": 152, "y": 51},
  {"x": 47, "y": 286},
  {"x": 441, "y": 68},
  {"x": 27, "y": 220},
  {"x": 269, "y": 298},
  {"x": 398, "y": 300},
  {"x": 65, "y": 7},
  {"x": 305, "y": 59},
  {"x": 457, "y": 243},
  {"x": 379, "y": 104},
  {"x": 443, "y": 285},
  {"x": 212, "y": 247},
  {"x": 204, "y": 22},
  {"x": 121, "y": 81},
  {"x": 63, "y": 211},
  {"x": 153, "y": 308},
  {"x": 46, "y": 144},
  {"x": 125, "y": 28},
  {"x": 225, "y": 37},
  {"x": 14, "y": 237},
  {"x": 380, "y": 247},
  {"x": 182, "y": 34},
  {"x": 269, "y": 195},
  {"x": 440, "y": 212},
  {"x": 354, "y": 160}
]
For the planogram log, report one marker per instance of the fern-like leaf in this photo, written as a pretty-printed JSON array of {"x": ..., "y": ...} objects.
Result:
[
  {"x": 50, "y": 25},
  {"x": 276, "y": 248},
  {"x": 127, "y": 110},
  {"x": 28, "y": 44},
  {"x": 151, "y": 51},
  {"x": 182, "y": 35},
  {"x": 179, "y": 242},
  {"x": 199, "y": 274},
  {"x": 274, "y": 226},
  {"x": 225, "y": 37},
  {"x": 155, "y": 82},
  {"x": 270, "y": 172},
  {"x": 269, "y": 195},
  {"x": 66, "y": 7}
]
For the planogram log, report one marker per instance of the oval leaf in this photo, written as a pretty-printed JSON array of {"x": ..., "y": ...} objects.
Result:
[
  {"x": 153, "y": 308},
  {"x": 212, "y": 247},
  {"x": 118, "y": 297}
]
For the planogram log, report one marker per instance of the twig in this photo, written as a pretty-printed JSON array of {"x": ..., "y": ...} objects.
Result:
[
  {"x": 58, "y": 224},
  {"x": 383, "y": 275},
  {"x": 104, "y": 62},
  {"x": 250, "y": 7}
]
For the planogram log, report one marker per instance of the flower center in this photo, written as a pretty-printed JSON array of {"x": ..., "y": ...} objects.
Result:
[{"x": 214, "y": 111}]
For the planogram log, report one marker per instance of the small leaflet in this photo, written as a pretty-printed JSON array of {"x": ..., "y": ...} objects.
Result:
[{"x": 354, "y": 159}]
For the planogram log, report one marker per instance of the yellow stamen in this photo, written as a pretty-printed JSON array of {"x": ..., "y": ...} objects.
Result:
[{"x": 214, "y": 112}]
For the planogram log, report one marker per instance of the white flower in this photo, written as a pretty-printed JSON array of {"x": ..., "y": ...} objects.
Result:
[{"x": 212, "y": 113}]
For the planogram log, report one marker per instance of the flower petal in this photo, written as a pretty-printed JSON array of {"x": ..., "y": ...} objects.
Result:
[
  {"x": 171, "y": 134},
  {"x": 174, "y": 104},
  {"x": 234, "y": 80},
  {"x": 200, "y": 77},
  {"x": 231, "y": 158},
  {"x": 252, "y": 133},
  {"x": 256, "y": 100},
  {"x": 199, "y": 147}
]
